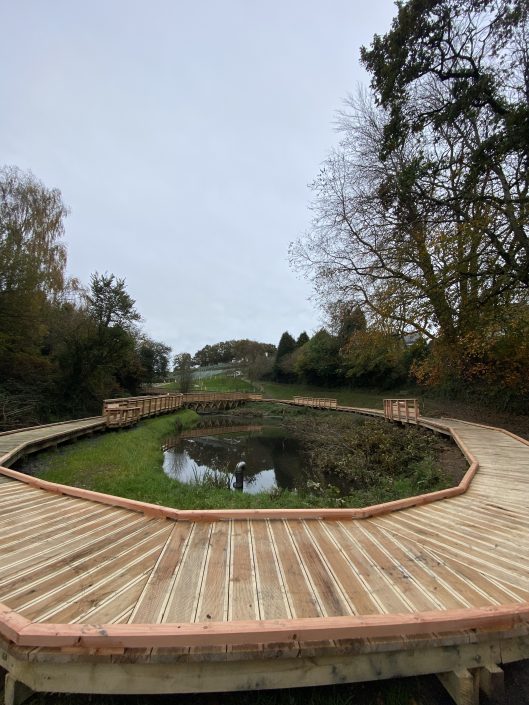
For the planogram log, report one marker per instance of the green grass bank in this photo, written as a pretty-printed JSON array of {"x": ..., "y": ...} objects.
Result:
[{"x": 129, "y": 463}]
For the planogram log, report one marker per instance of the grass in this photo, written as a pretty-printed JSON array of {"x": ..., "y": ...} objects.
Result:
[
  {"x": 129, "y": 464},
  {"x": 347, "y": 397},
  {"x": 216, "y": 383},
  {"x": 223, "y": 383}
]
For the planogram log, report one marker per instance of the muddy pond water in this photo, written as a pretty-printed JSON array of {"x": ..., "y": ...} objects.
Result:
[{"x": 210, "y": 452}]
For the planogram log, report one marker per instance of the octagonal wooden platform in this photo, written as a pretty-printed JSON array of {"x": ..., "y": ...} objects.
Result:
[{"x": 103, "y": 594}]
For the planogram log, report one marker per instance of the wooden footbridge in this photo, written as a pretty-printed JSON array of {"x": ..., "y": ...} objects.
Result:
[{"x": 101, "y": 594}]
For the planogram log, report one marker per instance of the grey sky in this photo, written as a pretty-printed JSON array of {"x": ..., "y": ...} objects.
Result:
[{"x": 183, "y": 137}]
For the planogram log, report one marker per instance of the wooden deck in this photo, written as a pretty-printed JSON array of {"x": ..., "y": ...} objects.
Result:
[{"x": 226, "y": 600}]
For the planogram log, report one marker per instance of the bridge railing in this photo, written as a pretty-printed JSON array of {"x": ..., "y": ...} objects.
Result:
[
  {"x": 148, "y": 406},
  {"x": 401, "y": 409},
  {"x": 316, "y": 402},
  {"x": 118, "y": 415},
  {"x": 140, "y": 407},
  {"x": 215, "y": 396}
]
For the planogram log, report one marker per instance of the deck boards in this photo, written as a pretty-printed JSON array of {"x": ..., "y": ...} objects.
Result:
[{"x": 73, "y": 560}]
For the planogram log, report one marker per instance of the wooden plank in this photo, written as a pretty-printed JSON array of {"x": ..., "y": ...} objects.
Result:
[
  {"x": 58, "y": 519},
  {"x": 243, "y": 602},
  {"x": 112, "y": 677},
  {"x": 119, "y": 605},
  {"x": 213, "y": 598},
  {"x": 400, "y": 575},
  {"x": 502, "y": 618},
  {"x": 380, "y": 590},
  {"x": 35, "y": 555},
  {"x": 214, "y": 592},
  {"x": 462, "y": 685},
  {"x": 184, "y": 592},
  {"x": 271, "y": 592},
  {"x": 491, "y": 681},
  {"x": 242, "y": 595},
  {"x": 15, "y": 692},
  {"x": 491, "y": 565},
  {"x": 70, "y": 602},
  {"x": 462, "y": 587},
  {"x": 77, "y": 568},
  {"x": 329, "y": 595},
  {"x": 302, "y": 600},
  {"x": 153, "y": 598},
  {"x": 50, "y": 519}
]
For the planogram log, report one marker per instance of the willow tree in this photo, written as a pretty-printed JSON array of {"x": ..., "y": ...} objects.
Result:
[
  {"x": 33, "y": 260},
  {"x": 32, "y": 216}
]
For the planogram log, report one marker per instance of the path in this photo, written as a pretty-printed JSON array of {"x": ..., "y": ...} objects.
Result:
[{"x": 273, "y": 598}]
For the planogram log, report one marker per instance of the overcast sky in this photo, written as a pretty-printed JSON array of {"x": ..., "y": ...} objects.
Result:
[{"x": 183, "y": 137}]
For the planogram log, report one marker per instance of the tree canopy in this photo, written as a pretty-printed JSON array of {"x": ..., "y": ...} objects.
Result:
[
  {"x": 62, "y": 348},
  {"x": 32, "y": 252},
  {"x": 421, "y": 214},
  {"x": 454, "y": 76},
  {"x": 243, "y": 351}
]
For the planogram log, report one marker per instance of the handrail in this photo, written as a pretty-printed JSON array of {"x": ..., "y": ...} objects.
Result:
[
  {"x": 227, "y": 514},
  {"x": 23, "y": 632},
  {"x": 401, "y": 409},
  {"x": 316, "y": 402},
  {"x": 160, "y": 403}
]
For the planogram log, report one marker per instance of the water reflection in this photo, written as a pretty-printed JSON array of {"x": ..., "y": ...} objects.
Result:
[{"x": 218, "y": 444}]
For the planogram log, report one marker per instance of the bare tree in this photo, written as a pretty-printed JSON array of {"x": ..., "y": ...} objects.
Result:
[{"x": 383, "y": 237}]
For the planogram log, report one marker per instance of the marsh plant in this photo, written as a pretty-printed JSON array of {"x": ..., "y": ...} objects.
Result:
[
  {"x": 346, "y": 456},
  {"x": 214, "y": 479}
]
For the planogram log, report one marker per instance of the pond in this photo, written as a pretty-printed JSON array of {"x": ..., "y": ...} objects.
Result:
[{"x": 211, "y": 451}]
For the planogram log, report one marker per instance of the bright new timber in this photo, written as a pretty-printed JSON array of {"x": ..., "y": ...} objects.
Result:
[{"x": 105, "y": 594}]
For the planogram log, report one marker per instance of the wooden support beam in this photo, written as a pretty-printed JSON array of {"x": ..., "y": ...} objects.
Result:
[
  {"x": 491, "y": 681},
  {"x": 462, "y": 686},
  {"x": 15, "y": 692}
]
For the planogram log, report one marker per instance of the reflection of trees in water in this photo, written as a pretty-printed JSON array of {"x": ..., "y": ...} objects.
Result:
[
  {"x": 178, "y": 460},
  {"x": 222, "y": 453},
  {"x": 287, "y": 463},
  {"x": 225, "y": 453},
  {"x": 259, "y": 452}
]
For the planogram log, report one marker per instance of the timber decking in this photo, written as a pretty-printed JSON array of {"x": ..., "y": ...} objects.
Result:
[
  {"x": 274, "y": 584},
  {"x": 14, "y": 444}
]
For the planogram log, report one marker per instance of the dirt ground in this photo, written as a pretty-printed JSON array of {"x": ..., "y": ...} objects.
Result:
[{"x": 514, "y": 423}]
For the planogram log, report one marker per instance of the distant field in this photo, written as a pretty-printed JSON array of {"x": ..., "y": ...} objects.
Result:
[
  {"x": 370, "y": 398},
  {"x": 347, "y": 397},
  {"x": 217, "y": 382}
]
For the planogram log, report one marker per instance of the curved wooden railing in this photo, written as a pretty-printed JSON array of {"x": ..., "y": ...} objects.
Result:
[
  {"x": 126, "y": 411},
  {"x": 25, "y": 633},
  {"x": 316, "y": 402}
]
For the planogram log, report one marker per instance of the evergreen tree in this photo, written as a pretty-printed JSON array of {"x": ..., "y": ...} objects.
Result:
[
  {"x": 303, "y": 338},
  {"x": 286, "y": 346}
]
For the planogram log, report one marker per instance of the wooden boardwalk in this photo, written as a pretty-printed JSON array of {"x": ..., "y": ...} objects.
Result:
[{"x": 226, "y": 600}]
